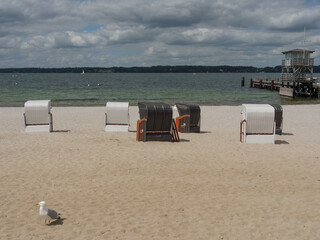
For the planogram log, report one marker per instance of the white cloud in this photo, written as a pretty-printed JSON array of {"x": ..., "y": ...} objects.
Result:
[{"x": 149, "y": 32}]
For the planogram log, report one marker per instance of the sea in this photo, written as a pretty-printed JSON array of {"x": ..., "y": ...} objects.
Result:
[{"x": 95, "y": 89}]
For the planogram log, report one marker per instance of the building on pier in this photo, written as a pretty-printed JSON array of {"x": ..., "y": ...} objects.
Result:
[{"x": 297, "y": 74}]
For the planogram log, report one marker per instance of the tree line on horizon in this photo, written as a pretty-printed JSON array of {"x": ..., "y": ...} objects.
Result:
[{"x": 153, "y": 69}]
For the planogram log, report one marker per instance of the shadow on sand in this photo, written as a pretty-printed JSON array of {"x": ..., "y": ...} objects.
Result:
[
  {"x": 57, "y": 222},
  {"x": 287, "y": 134},
  {"x": 280, "y": 142},
  {"x": 60, "y": 131}
]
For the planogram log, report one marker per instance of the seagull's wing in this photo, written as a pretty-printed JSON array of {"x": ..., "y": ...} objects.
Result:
[{"x": 53, "y": 214}]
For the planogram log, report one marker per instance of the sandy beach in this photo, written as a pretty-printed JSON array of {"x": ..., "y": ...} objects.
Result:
[{"x": 208, "y": 186}]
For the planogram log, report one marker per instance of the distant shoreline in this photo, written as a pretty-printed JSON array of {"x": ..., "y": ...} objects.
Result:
[{"x": 153, "y": 69}]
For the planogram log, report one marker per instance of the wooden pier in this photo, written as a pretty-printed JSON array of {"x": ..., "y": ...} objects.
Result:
[
  {"x": 286, "y": 88},
  {"x": 265, "y": 83},
  {"x": 296, "y": 77}
]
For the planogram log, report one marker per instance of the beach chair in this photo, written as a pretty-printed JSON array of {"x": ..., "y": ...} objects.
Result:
[
  {"x": 278, "y": 118},
  {"x": 156, "y": 123},
  {"x": 189, "y": 118},
  {"x": 37, "y": 116},
  {"x": 117, "y": 117},
  {"x": 258, "y": 123}
]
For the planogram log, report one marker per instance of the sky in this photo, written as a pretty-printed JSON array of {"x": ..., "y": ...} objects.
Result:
[{"x": 107, "y": 33}]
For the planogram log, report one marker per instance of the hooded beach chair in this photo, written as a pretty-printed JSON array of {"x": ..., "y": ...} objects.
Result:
[
  {"x": 189, "y": 118},
  {"x": 37, "y": 116},
  {"x": 278, "y": 118},
  {"x": 117, "y": 117},
  {"x": 156, "y": 123},
  {"x": 258, "y": 123}
]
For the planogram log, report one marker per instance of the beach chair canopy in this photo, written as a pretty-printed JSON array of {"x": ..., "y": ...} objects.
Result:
[
  {"x": 117, "y": 117},
  {"x": 37, "y": 116},
  {"x": 158, "y": 115},
  {"x": 37, "y": 112},
  {"x": 259, "y": 118},
  {"x": 189, "y": 109},
  {"x": 117, "y": 113}
]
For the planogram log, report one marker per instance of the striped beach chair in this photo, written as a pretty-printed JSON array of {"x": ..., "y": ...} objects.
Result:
[
  {"x": 156, "y": 123},
  {"x": 257, "y": 124}
]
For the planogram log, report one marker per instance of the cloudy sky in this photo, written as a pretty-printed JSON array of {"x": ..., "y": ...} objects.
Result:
[{"x": 106, "y": 33}]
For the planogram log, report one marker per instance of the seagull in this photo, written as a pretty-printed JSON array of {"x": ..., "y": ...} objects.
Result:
[{"x": 47, "y": 213}]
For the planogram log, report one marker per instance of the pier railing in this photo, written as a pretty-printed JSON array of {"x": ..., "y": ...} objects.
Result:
[
  {"x": 301, "y": 78},
  {"x": 272, "y": 84},
  {"x": 297, "y": 62}
]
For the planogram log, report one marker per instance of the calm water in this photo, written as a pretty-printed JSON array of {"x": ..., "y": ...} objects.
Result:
[{"x": 96, "y": 89}]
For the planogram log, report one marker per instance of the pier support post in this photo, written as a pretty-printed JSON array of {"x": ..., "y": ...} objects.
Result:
[
  {"x": 316, "y": 92},
  {"x": 242, "y": 81},
  {"x": 310, "y": 89},
  {"x": 272, "y": 85},
  {"x": 260, "y": 86},
  {"x": 251, "y": 83}
]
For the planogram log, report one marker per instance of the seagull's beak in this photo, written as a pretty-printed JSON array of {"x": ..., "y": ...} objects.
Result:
[{"x": 37, "y": 203}]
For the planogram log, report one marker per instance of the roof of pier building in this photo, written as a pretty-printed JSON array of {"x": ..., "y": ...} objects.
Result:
[{"x": 298, "y": 50}]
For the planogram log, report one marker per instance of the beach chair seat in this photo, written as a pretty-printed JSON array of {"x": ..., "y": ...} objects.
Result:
[
  {"x": 258, "y": 123},
  {"x": 117, "y": 117},
  {"x": 156, "y": 123},
  {"x": 189, "y": 118},
  {"x": 37, "y": 116}
]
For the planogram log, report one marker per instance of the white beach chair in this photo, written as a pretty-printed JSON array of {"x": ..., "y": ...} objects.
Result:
[
  {"x": 258, "y": 123},
  {"x": 117, "y": 117},
  {"x": 37, "y": 116}
]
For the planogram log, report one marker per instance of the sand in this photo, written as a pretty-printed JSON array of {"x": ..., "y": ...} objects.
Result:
[{"x": 209, "y": 186}]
